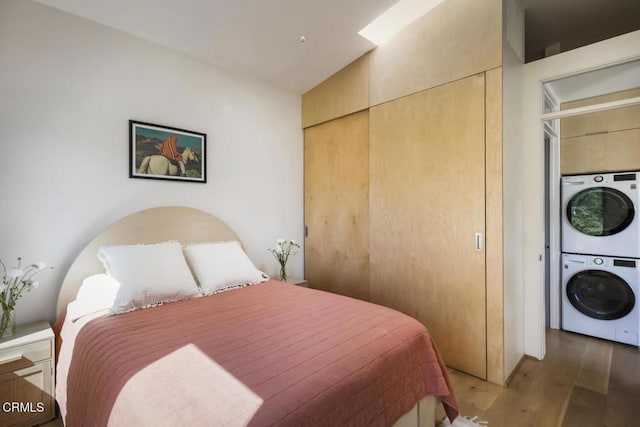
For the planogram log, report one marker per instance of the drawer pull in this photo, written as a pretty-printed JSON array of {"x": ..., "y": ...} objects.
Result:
[{"x": 10, "y": 359}]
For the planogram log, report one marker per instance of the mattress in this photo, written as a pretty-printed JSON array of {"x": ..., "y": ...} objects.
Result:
[{"x": 268, "y": 354}]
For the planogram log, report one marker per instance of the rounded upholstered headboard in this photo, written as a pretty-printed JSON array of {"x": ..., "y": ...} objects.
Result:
[{"x": 186, "y": 225}]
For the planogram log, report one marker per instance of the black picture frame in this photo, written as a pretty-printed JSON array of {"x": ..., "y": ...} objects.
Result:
[{"x": 155, "y": 152}]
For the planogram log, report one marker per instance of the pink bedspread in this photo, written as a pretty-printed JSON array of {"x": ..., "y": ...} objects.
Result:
[{"x": 269, "y": 354}]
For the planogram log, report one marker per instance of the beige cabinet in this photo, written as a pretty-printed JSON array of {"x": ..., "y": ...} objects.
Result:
[
  {"x": 396, "y": 207},
  {"x": 606, "y": 152},
  {"x": 602, "y": 141},
  {"x": 601, "y": 122},
  {"x": 27, "y": 376}
]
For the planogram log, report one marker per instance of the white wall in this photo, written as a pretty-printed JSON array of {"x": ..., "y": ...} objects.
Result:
[
  {"x": 608, "y": 52},
  {"x": 68, "y": 87},
  {"x": 512, "y": 61}
]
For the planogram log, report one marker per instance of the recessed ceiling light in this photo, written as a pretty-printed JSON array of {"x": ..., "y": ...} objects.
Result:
[{"x": 396, "y": 18}]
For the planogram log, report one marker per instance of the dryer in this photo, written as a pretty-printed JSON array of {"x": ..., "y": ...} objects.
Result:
[
  {"x": 600, "y": 297},
  {"x": 600, "y": 214}
]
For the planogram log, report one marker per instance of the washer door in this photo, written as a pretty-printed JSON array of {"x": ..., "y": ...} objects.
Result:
[
  {"x": 600, "y": 211},
  {"x": 600, "y": 295}
]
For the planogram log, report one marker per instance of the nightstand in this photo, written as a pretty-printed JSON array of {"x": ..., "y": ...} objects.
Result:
[
  {"x": 27, "y": 376},
  {"x": 296, "y": 281}
]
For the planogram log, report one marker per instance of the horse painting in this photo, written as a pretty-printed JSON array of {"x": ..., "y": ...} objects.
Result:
[{"x": 160, "y": 165}]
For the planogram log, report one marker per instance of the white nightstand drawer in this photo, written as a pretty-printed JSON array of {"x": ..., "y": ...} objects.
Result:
[
  {"x": 31, "y": 387},
  {"x": 34, "y": 352},
  {"x": 27, "y": 372}
]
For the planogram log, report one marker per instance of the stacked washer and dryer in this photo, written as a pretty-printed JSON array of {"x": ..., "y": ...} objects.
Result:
[{"x": 601, "y": 255}]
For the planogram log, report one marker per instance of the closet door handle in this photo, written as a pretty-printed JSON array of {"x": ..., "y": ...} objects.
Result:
[{"x": 479, "y": 242}]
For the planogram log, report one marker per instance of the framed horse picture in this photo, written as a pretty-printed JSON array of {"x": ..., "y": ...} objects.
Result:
[{"x": 162, "y": 152}]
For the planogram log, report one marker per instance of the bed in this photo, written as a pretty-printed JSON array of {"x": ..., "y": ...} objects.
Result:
[{"x": 266, "y": 354}]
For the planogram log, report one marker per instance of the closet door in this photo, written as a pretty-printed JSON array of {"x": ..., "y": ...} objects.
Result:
[
  {"x": 336, "y": 175},
  {"x": 427, "y": 215}
]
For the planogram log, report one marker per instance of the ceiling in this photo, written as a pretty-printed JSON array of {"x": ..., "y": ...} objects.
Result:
[
  {"x": 257, "y": 38},
  {"x": 260, "y": 38}
]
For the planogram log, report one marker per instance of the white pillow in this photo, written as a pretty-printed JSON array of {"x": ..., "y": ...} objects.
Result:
[
  {"x": 148, "y": 274},
  {"x": 221, "y": 265},
  {"x": 96, "y": 293}
]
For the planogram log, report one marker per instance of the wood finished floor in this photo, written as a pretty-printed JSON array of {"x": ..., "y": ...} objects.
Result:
[{"x": 582, "y": 382}]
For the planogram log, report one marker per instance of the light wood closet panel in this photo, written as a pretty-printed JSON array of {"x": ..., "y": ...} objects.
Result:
[
  {"x": 336, "y": 161},
  {"x": 456, "y": 39},
  {"x": 427, "y": 202},
  {"x": 345, "y": 92},
  {"x": 494, "y": 223}
]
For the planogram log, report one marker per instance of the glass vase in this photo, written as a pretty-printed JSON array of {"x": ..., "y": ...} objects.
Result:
[
  {"x": 7, "y": 323},
  {"x": 283, "y": 272}
]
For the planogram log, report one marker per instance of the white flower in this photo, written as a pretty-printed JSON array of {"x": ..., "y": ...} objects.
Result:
[
  {"x": 293, "y": 242},
  {"x": 14, "y": 273},
  {"x": 278, "y": 249},
  {"x": 17, "y": 281},
  {"x": 280, "y": 241}
]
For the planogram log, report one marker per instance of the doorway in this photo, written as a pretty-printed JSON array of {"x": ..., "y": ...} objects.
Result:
[
  {"x": 598, "y": 56},
  {"x": 583, "y": 98}
]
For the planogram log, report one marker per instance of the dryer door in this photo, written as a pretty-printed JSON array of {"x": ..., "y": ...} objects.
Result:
[
  {"x": 600, "y": 211},
  {"x": 600, "y": 294}
]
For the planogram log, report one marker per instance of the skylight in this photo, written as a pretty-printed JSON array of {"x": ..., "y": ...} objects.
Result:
[{"x": 396, "y": 18}]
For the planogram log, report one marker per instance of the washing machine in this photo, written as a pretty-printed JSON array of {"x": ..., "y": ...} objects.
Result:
[
  {"x": 600, "y": 214},
  {"x": 600, "y": 297}
]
